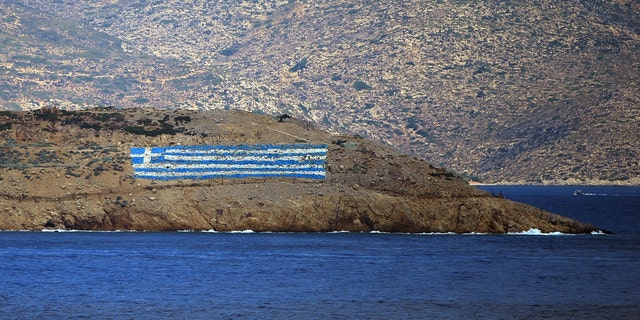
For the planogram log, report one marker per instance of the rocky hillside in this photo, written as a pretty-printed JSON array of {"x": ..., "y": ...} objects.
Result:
[
  {"x": 72, "y": 170},
  {"x": 499, "y": 91}
]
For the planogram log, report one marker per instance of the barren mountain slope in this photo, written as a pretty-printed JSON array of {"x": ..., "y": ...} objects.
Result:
[{"x": 537, "y": 92}]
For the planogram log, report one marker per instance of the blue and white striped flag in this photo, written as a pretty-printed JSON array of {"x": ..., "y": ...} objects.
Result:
[{"x": 240, "y": 161}]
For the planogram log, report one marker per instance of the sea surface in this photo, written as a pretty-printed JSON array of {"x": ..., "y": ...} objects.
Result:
[{"x": 201, "y": 275}]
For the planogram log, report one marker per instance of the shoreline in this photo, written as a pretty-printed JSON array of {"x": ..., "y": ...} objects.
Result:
[{"x": 475, "y": 183}]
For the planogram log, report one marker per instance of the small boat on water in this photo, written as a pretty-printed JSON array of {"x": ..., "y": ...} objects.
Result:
[{"x": 582, "y": 193}]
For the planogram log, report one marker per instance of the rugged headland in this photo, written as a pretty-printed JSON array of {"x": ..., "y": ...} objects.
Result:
[
  {"x": 72, "y": 170},
  {"x": 527, "y": 92}
]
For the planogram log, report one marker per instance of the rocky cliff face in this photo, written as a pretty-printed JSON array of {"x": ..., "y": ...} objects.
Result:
[{"x": 72, "y": 170}]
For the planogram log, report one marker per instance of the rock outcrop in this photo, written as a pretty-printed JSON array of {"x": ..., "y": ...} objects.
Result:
[{"x": 71, "y": 170}]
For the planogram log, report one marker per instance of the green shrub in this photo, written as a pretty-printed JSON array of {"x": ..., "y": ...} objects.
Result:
[
  {"x": 138, "y": 130},
  {"x": 230, "y": 50},
  {"x": 48, "y": 114},
  {"x": 361, "y": 85},
  {"x": 301, "y": 65},
  {"x": 141, "y": 100}
]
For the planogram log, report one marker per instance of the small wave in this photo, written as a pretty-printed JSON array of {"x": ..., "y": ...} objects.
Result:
[
  {"x": 530, "y": 232},
  {"x": 84, "y": 231},
  {"x": 60, "y": 230},
  {"x": 243, "y": 231},
  {"x": 437, "y": 233},
  {"x": 537, "y": 232}
]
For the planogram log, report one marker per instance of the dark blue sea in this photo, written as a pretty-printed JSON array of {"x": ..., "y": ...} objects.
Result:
[{"x": 188, "y": 275}]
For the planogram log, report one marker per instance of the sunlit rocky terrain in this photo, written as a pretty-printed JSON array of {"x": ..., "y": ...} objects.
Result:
[{"x": 497, "y": 91}]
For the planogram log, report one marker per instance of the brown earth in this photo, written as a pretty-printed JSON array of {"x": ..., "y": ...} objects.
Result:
[{"x": 72, "y": 170}]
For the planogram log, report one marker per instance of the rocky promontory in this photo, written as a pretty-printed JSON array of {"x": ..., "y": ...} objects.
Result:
[{"x": 72, "y": 170}]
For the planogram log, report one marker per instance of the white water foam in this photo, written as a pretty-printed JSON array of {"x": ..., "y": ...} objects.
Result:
[
  {"x": 537, "y": 232},
  {"x": 60, "y": 230},
  {"x": 85, "y": 231},
  {"x": 530, "y": 232},
  {"x": 243, "y": 231}
]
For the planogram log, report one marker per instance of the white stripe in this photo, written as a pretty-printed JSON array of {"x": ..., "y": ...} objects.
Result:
[
  {"x": 218, "y": 166},
  {"x": 260, "y": 151},
  {"x": 247, "y": 158}
]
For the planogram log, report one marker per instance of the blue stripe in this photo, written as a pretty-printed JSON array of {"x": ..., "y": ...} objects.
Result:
[
  {"x": 198, "y": 170},
  {"x": 161, "y": 160},
  {"x": 234, "y": 176},
  {"x": 236, "y": 147},
  {"x": 243, "y": 154}
]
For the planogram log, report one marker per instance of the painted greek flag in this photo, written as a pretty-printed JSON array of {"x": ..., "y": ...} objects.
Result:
[{"x": 240, "y": 161}]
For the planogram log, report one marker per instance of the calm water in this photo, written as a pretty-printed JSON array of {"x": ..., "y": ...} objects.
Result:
[{"x": 335, "y": 276}]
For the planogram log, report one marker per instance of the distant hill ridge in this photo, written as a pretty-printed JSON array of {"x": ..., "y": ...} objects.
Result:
[{"x": 498, "y": 91}]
